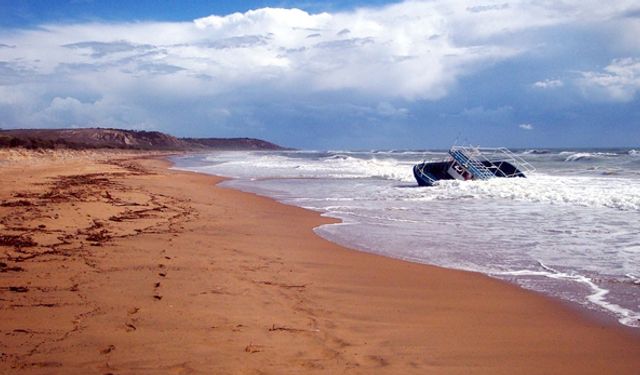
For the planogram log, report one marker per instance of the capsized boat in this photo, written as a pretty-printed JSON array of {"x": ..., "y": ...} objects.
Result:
[{"x": 472, "y": 163}]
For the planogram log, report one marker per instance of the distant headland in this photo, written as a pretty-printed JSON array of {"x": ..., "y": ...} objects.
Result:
[{"x": 94, "y": 138}]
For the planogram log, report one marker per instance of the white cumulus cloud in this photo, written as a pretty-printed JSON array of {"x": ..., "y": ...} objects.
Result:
[
  {"x": 548, "y": 84},
  {"x": 526, "y": 126},
  {"x": 620, "y": 80}
]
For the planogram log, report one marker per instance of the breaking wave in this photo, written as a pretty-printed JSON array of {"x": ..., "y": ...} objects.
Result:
[
  {"x": 536, "y": 152},
  {"x": 333, "y": 165},
  {"x": 603, "y": 190},
  {"x": 578, "y": 156},
  {"x": 597, "y": 192}
]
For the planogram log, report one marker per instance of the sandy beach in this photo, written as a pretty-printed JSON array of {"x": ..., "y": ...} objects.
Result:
[{"x": 111, "y": 263}]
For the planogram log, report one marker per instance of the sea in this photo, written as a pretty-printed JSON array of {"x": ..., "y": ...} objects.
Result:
[{"x": 570, "y": 230}]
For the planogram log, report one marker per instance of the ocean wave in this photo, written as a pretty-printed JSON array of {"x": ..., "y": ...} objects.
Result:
[
  {"x": 578, "y": 156},
  {"x": 336, "y": 165},
  {"x": 602, "y": 192},
  {"x": 610, "y": 188},
  {"x": 536, "y": 152},
  {"x": 338, "y": 156}
]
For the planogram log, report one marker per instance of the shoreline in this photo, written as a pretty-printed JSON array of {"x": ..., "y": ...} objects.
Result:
[
  {"x": 169, "y": 273},
  {"x": 595, "y": 316},
  {"x": 589, "y": 309},
  {"x": 598, "y": 316}
]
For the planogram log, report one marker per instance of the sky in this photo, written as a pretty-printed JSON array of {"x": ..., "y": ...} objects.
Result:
[{"x": 357, "y": 74}]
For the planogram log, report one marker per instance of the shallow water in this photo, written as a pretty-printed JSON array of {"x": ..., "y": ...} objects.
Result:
[{"x": 570, "y": 230}]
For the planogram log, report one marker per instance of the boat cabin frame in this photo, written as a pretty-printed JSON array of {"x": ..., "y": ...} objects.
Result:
[{"x": 473, "y": 163}]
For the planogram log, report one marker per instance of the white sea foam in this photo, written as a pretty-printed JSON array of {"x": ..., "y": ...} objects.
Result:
[
  {"x": 616, "y": 193},
  {"x": 584, "y": 191},
  {"x": 336, "y": 165},
  {"x": 597, "y": 297}
]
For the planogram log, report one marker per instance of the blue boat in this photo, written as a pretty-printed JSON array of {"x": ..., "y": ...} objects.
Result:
[{"x": 472, "y": 163}]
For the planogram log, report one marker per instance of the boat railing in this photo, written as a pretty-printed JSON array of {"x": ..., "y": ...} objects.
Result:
[
  {"x": 474, "y": 158},
  {"x": 472, "y": 164}
]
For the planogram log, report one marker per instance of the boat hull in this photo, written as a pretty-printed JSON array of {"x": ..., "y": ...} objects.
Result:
[{"x": 427, "y": 174}]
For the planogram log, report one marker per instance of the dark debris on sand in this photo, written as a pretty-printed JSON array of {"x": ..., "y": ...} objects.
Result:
[{"x": 16, "y": 241}]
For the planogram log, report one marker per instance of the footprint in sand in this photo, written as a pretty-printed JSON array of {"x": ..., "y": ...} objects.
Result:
[
  {"x": 162, "y": 267},
  {"x": 252, "y": 348},
  {"x": 157, "y": 295},
  {"x": 133, "y": 310},
  {"x": 108, "y": 349}
]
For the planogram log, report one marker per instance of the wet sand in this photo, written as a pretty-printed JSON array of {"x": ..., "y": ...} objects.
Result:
[{"x": 113, "y": 264}]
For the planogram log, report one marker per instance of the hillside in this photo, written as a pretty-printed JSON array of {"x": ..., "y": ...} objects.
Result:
[
  {"x": 232, "y": 143},
  {"x": 90, "y": 138}
]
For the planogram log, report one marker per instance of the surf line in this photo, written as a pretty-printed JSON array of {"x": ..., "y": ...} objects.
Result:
[{"x": 625, "y": 316}]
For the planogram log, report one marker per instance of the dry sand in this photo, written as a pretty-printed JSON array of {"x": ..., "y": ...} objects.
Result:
[{"x": 113, "y": 264}]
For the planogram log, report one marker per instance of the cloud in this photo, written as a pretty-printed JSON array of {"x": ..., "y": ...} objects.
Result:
[
  {"x": 244, "y": 41},
  {"x": 389, "y": 52},
  {"x": 619, "y": 82},
  {"x": 141, "y": 73},
  {"x": 548, "y": 84},
  {"x": 14, "y": 73},
  {"x": 387, "y": 109},
  {"x": 101, "y": 49},
  {"x": 526, "y": 126},
  {"x": 486, "y": 8}
]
